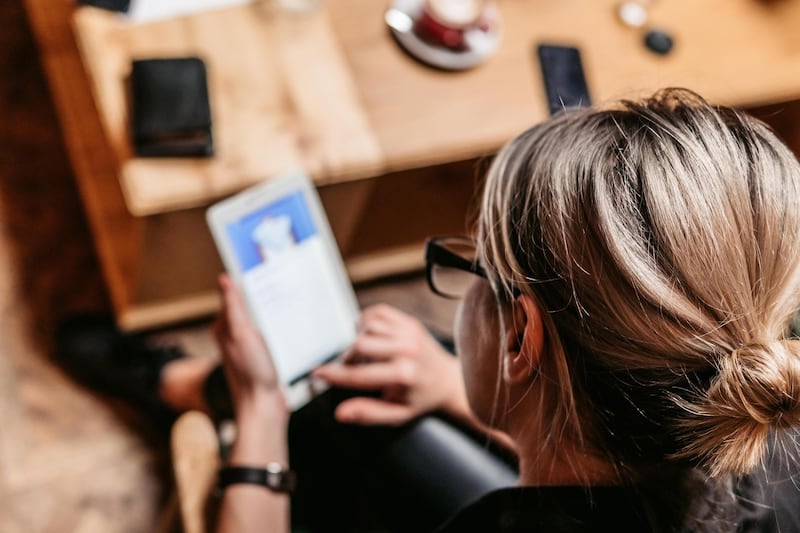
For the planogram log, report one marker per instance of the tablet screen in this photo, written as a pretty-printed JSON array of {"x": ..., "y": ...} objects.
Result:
[{"x": 290, "y": 284}]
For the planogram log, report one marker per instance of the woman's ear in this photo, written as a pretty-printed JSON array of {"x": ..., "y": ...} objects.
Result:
[{"x": 524, "y": 341}]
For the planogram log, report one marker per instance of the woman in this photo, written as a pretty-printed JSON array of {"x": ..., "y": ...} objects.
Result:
[{"x": 626, "y": 328}]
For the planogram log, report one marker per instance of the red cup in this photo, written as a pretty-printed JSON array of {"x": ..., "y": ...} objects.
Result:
[{"x": 444, "y": 22}]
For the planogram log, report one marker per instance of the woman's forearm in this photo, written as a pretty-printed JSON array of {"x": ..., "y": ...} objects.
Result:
[{"x": 261, "y": 439}]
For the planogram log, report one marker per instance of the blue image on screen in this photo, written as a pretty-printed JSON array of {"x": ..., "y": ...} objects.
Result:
[{"x": 242, "y": 232}]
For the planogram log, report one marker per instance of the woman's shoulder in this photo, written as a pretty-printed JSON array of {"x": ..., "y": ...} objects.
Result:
[
  {"x": 769, "y": 498},
  {"x": 765, "y": 501},
  {"x": 552, "y": 509}
]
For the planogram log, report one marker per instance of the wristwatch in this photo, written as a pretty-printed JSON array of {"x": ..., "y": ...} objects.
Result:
[{"x": 274, "y": 476}]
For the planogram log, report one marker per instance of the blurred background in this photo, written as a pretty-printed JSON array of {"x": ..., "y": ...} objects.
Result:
[{"x": 86, "y": 225}]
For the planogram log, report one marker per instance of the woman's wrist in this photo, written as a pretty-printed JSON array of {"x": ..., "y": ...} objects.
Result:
[
  {"x": 262, "y": 420},
  {"x": 268, "y": 405}
]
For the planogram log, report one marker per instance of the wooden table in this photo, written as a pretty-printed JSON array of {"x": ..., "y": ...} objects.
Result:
[{"x": 389, "y": 142}]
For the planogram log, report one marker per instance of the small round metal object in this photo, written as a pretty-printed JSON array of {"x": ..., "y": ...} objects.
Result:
[
  {"x": 658, "y": 42},
  {"x": 632, "y": 14}
]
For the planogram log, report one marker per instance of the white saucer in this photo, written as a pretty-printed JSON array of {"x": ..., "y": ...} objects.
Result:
[{"x": 480, "y": 44}]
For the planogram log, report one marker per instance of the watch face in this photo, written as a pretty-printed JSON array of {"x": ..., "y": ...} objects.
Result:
[{"x": 279, "y": 478}]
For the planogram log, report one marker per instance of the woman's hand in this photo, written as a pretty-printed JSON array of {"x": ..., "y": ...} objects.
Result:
[
  {"x": 394, "y": 354},
  {"x": 248, "y": 365},
  {"x": 261, "y": 418}
]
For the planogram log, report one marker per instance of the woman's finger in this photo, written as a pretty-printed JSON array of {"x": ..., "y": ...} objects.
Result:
[
  {"x": 377, "y": 327},
  {"x": 370, "y": 376},
  {"x": 219, "y": 328},
  {"x": 233, "y": 306},
  {"x": 372, "y": 348},
  {"x": 383, "y": 313},
  {"x": 371, "y": 411}
]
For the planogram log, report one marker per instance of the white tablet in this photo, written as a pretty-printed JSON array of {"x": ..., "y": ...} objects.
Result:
[{"x": 277, "y": 246}]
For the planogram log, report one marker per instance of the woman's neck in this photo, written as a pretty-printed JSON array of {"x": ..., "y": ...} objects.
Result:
[
  {"x": 562, "y": 463},
  {"x": 575, "y": 470}
]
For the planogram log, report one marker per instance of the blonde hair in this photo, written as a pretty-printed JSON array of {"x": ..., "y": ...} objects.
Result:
[{"x": 662, "y": 238}]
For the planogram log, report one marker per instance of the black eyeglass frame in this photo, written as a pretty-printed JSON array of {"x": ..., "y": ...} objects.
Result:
[{"x": 437, "y": 254}]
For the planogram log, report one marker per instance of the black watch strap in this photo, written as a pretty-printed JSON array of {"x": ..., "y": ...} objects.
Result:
[{"x": 274, "y": 476}]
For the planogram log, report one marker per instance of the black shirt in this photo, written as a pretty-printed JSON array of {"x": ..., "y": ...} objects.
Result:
[
  {"x": 552, "y": 509},
  {"x": 768, "y": 501}
]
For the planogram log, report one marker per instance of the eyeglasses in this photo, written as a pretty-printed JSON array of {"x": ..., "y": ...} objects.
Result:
[{"x": 451, "y": 265}]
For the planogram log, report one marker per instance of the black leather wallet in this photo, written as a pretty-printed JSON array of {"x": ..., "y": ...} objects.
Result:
[
  {"x": 170, "y": 112},
  {"x": 112, "y": 5}
]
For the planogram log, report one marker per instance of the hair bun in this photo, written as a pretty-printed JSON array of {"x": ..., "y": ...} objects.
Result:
[
  {"x": 757, "y": 388},
  {"x": 761, "y": 382}
]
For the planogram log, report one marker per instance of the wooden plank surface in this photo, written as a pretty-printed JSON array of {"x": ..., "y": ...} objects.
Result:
[
  {"x": 116, "y": 233},
  {"x": 150, "y": 283},
  {"x": 737, "y": 52},
  {"x": 281, "y": 98},
  {"x": 283, "y": 95},
  {"x": 160, "y": 268},
  {"x": 379, "y": 225}
]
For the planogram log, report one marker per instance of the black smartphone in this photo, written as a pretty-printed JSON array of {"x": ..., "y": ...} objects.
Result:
[
  {"x": 112, "y": 5},
  {"x": 564, "y": 81}
]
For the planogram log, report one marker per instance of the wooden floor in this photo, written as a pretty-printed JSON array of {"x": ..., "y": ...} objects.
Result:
[{"x": 71, "y": 461}]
